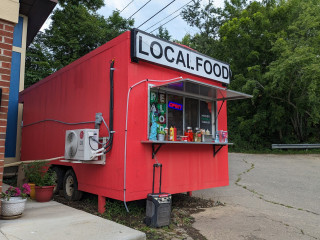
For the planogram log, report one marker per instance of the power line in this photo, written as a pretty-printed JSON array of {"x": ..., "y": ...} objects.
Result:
[
  {"x": 168, "y": 16},
  {"x": 139, "y": 9},
  {"x": 126, "y": 6},
  {"x": 157, "y": 13},
  {"x": 165, "y": 23}
]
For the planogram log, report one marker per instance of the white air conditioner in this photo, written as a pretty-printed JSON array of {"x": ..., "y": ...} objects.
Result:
[{"x": 80, "y": 144}]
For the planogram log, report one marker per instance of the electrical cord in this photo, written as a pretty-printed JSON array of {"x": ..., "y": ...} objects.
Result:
[
  {"x": 91, "y": 138},
  {"x": 165, "y": 23},
  {"x": 138, "y": 10},
  {"x": 97, "y": 141},
  {"x": 108, "y": 147},
  {"x": 126, "y": 6},
  {"x": 58, "y": 121},
  {"x": 126, "y": 133},
  {"x": 168, "y": 16},
  {"x": 157, "y": 13},
  {"x": 109, "y": 133}
]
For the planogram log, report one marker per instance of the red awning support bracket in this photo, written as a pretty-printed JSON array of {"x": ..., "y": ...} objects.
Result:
[
  {"x": 154, "y": 151},
  {"x": 216, "y": 151}
]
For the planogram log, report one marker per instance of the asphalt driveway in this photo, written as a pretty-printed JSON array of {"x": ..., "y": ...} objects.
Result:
[{"x": 269, "y": 197}]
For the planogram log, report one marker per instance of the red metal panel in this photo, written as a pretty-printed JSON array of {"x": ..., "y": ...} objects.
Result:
[
  {"x": 76, "y": 92},
  {"x": 185, "y": 167}
]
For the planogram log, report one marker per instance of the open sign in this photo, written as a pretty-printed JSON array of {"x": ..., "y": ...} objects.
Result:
[{"x": 175, "y": 106}]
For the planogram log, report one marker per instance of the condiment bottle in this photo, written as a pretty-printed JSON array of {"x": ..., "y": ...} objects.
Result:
[
  {"x": 166, "y": 130},
  {"x": 190, "y": 134},
  {"x": 203, "y": 132},
  {"x": 197, "y": 137},
  {"x": 217, "y": 137},
  {"x": 171, "y": 136}
]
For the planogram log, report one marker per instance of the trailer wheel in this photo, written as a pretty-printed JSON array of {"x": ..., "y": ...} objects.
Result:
[
  {"x": 59, "y": 174},
  {"x": 70, "y": 186}
]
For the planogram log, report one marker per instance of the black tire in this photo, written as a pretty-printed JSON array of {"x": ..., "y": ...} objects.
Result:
[
  {"x": 70, "y": 186},
  {"x": 59, "y": 173}
]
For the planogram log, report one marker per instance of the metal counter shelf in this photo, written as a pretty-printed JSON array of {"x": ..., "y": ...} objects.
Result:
[{"x": 160, "y": 143}]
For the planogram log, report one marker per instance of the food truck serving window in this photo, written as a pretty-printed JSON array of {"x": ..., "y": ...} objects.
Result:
[
  {"x": 186, "y": 103},
  {"x": 169, "y": 110}
]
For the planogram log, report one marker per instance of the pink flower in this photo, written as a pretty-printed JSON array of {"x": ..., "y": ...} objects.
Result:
[
  {"x": 26, "y": 188},
  {"x": 17, "y": 192}
]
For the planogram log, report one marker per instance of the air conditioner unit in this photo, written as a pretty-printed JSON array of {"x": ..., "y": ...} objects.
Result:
[{"x": 80, "y": 143}]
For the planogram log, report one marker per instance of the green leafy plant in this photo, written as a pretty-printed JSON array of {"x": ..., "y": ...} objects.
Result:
[
  {"x": 33, "y": 170},
  {"x": 39, "y": 174},
  {"x": 162, "y": 132},
  {"x": 46, "y": 179}
]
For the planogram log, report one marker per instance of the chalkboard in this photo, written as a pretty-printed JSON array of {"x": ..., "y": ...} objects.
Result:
[{"x": 205, "y": 116}]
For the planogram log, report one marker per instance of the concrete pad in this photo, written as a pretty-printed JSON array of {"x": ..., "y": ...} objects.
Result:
[{"x": 53, "y": 220}]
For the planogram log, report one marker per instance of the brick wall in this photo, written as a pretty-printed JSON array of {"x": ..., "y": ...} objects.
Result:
[{"x": 6, "y": 38}]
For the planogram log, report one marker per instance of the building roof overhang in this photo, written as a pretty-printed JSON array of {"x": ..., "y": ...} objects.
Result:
[{"x": 37, "y": 12}]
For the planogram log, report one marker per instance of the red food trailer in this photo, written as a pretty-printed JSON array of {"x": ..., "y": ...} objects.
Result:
[{"x": 98, "y": 119}]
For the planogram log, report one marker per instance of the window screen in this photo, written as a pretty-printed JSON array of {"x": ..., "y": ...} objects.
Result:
[
  {"x": 175, "y": 113},
  {"x": 167, "y": 110},
  {"x": 191, "y": 113}
]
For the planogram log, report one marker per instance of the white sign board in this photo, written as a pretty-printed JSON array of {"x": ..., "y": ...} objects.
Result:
[{"x": 150, "y": 48}]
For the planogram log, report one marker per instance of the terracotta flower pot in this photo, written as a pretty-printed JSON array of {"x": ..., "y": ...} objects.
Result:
[
  {"x": 12, "y": 207},
  {"x": 32, "y": 191},
  {"x": 44, "y": 194}
]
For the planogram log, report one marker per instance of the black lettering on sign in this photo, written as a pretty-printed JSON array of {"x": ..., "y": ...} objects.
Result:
[
  {"x": 206, "y": 67},
  {"x": 198, "y": 63},
  {"x": 180, "y": 59},
  {"x": 166, "y": 53},
  {"x": 225, "y": 72},
  {"x": 152, "y": 50},
  {"x": 140, "y": 47},
  {"x": 188, "y": 61},
  {"x": 215, "y": 67}
]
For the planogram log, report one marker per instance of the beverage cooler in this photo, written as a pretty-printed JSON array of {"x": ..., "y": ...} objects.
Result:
[{"x": 147, "y": 101}]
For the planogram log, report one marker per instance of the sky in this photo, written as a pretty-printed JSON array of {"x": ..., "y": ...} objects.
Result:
[{"x": 177, "y": 27}]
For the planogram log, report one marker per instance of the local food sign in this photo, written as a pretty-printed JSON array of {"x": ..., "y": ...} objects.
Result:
[{"x": 150, "y": 48}]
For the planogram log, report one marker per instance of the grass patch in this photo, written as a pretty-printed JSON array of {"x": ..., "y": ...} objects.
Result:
[{"x": 181, "y": 220}]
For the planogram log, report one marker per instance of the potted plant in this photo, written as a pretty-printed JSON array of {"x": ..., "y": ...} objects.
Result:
[
  {"x": 32, "y": 172},
  {"x": 13, "y": 201},
  {"x": 43, "y": 178},
  {"x": 161, "y": 135}
]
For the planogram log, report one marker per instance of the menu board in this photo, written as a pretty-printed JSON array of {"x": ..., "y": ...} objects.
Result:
[{"x": 205, "y": 116}]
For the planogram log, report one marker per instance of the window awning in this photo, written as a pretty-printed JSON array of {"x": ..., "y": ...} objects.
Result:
[{"x": 193, "y": 88}]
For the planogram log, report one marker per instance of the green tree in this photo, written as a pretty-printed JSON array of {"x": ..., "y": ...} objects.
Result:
[
  {"x": 75, "y": 30},
  {"x": 293, "y": 79},
  {"x": 38, "y": 61},
  {"x": 272, "y": 47},
  {"x": 163, "y": 33}
]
